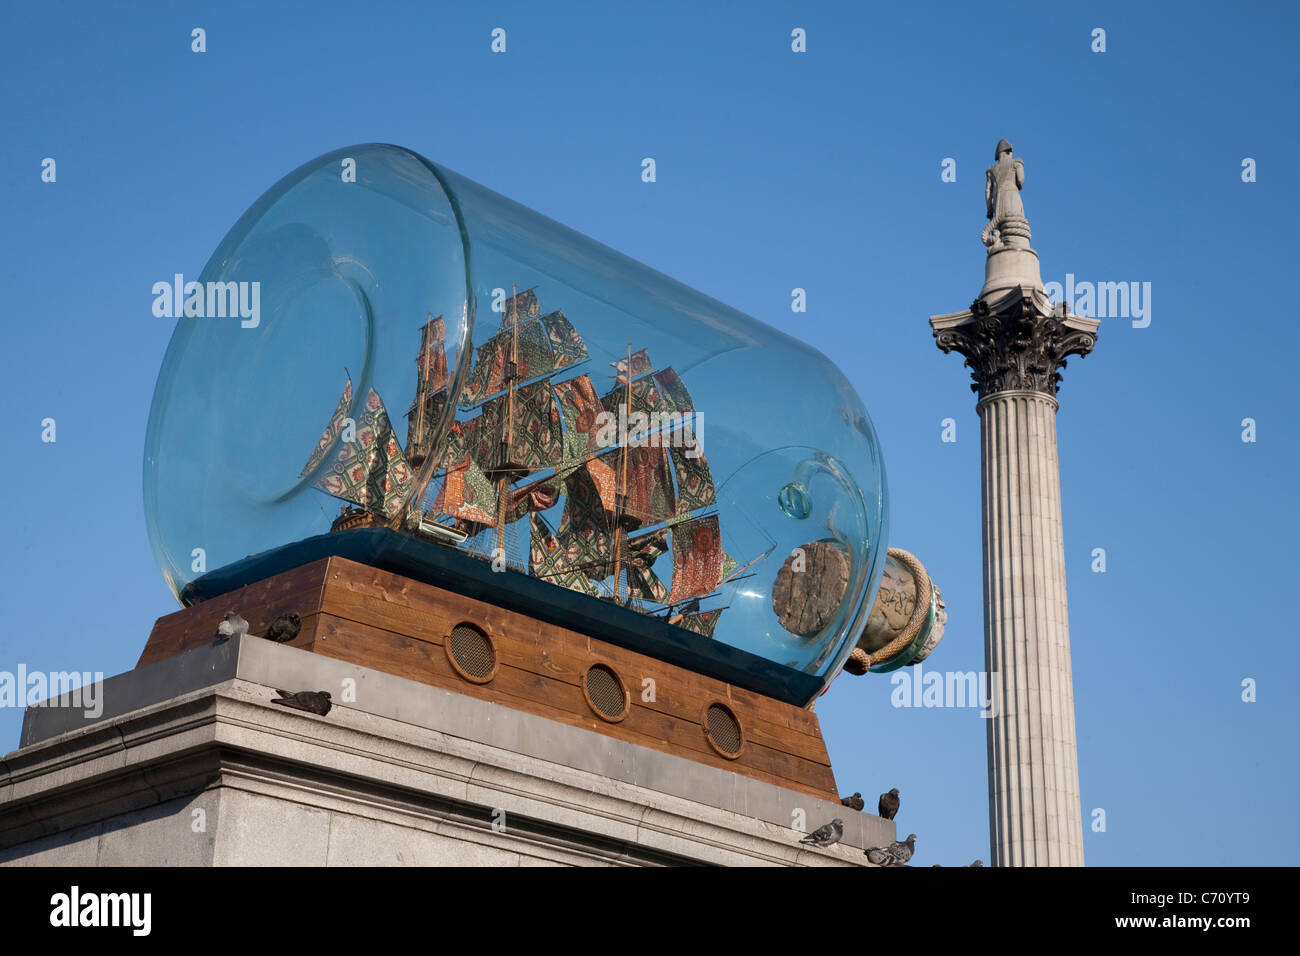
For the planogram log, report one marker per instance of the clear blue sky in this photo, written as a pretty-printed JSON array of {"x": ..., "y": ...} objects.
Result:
[{"x": 775, "y": 170}]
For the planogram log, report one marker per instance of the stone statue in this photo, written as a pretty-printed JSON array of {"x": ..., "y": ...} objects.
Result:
[{"x": 1003, "y": 182}]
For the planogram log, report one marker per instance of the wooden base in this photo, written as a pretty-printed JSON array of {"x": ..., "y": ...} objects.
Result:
[{"x": 391, "y": 623}]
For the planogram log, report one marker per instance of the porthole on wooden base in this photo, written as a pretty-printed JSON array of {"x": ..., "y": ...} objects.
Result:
[
  {"x": 471, "y": 652},
  {"x": 722, "y": 729},
  {"x": 606, "y": 694}
]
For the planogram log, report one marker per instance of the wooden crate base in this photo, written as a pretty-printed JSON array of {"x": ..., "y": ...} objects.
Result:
[{"x": 391, "y": 623}]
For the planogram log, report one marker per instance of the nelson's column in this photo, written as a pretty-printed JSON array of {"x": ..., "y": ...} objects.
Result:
[{"x": 1015, "y": 342}]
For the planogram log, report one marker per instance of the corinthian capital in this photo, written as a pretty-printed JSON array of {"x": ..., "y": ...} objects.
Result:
[{"x": 1016, "y": 342}]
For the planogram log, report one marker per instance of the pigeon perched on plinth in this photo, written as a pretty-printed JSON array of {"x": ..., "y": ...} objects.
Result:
[
  {"x": 312, "y": 701},
  {"x": 854, "y": 802},
  {"x": 284, "y": 628},
  {"x": 896, "y": 854},
  {"x": 888, "y": 806},
  {"x": 976, "y": 863},
  {"x": 827, "y": 835},
  {"x": 232, "y": 626}
]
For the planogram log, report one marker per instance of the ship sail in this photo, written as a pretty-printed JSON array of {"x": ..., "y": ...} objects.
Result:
[
  {"x": 466, "y": 494},
  {"x": 694, "y": 480},
  {"x": 542, "y": 345},
  {"x": 701, "y": 622},
  {"x": 642, "y": 583},
  {"x": 627, "y": 466},
  {"x": 517, "y": 432},
  {"x": 551, "y": 561},
  {"x": 699, "y": 563},
  {"x": 370, "y": 470}
]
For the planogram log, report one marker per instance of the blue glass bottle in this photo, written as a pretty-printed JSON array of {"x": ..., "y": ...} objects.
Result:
[{"x": 387, "y": 361}]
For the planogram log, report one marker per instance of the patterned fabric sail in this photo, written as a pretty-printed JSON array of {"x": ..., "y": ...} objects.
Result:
[
  {"x": 649, "y": 498},
  {"x": 521, "y": 306},
  {"x": 537, "y": 441},
  {"x": 652, "y": 409},
  {"x": 566, "y": 344},
  {"x": 672, "y": 392},
  {"x": 545, "y": 345},
  {"x": 538, "y": 496},
  {"x": 550, "y": 561},
  {"x": 333, "y": 430},
  {"x": 466, "y": 494},
  {"x": 694, "y": 481},
  {"x": 643, "y": 397},
  {"x": 635, "y": 439},
  {"x": 585, "y": 529},
  {"x": 702, "y": 623},
  {"x": 639, "y": 364},
  {"x": 699, "y": 562},
  {"x": 431, "y": 362},
  {"x": 579, "y": 407},
  {"x": 489, "y": 451},
  {"x": 642, "y": 551},
  {"x": 371, "y": 471}
]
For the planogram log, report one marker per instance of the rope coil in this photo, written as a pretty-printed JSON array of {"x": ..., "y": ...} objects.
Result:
[{"x": 861, "y": 661}]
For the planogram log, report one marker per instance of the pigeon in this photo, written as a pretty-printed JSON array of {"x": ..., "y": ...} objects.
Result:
[
  {"x": 284, "y": 628},
  {"x": 312, "y": 701},
  {"x": 854, "y": 802},
  {"x": 232, "y": 626},
  {"x": 888, "y": 806},
  {"x": 976, "y": 863},
  {"x": 827, "y": 835},
  {"x": 896, "y": 854}
]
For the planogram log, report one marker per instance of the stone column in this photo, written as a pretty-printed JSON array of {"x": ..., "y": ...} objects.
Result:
[
  {"x": 1015, "y": 342},
  {"x": 1034, "y": 811}
]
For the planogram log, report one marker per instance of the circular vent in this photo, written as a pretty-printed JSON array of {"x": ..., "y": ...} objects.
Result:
[
  {"x": 471, "y": 653},
  {"x": 605, "y": 693},
  {"x": 723, "y": 731}
]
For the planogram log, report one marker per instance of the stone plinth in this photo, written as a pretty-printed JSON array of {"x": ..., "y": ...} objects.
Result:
[
  {"x": 1007, "y": 267},
  {"x": 191, "y": 764}
]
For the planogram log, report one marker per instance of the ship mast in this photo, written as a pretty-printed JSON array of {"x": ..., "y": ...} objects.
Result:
[
  {"x": 620, "y": 494},
  {"x": 503, "y": 481},
  {"x": 424, "y": 382}
]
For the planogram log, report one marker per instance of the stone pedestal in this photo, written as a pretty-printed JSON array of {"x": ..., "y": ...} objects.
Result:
[
  {"x": 191, "y": 764},
  {"x": 1009, "y": 266}
]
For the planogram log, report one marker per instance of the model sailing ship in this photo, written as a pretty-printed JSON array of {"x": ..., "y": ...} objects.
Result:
[{"x": 628, "y": 465}]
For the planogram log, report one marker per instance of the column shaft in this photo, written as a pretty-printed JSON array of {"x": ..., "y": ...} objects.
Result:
[{"x": 1035, "y": 815}]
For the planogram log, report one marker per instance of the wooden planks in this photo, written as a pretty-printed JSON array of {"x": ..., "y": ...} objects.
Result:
[
  {"x": 377, "y": 619},
  {"x": 259, "y": 604}
]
